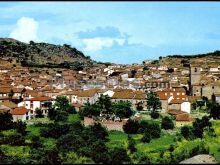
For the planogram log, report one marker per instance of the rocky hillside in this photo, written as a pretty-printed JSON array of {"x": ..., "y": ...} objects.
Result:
[{"x": 43, "y": 54}]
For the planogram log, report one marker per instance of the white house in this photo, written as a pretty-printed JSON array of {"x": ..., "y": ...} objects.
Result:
[
  {"x": 20, "y": 113},
  {"x": 42, "y": 103},
  {"x": 185, "y": 106},
  {"x": 110, "y": 93}
]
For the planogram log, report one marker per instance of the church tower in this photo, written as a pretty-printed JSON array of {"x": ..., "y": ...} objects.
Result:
[{"x": 194, "y": 82}]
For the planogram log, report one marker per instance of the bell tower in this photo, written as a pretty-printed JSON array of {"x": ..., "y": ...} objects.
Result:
[{"x": 194, "y": 82}]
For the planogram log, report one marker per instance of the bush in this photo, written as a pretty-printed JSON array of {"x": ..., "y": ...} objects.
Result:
[
  {"x": 147, "y": 137},
  {"x": 153, "y": 128},
  {"x": 154, "y": 115},
  {"x": 131, "y": 127},
  {"x": 167, "y": 123},
  {"x": 187, "y": 132}
]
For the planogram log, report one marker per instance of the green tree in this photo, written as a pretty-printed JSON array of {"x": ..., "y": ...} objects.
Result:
[
  {"x": 131, "y": 126},
  {"x": 187, "y": 132},
  {"x": 39, "y": 113},
  {"x": 89, "y": 110},
  {"x": 122, "y": 109},
  {"x": 6, "y": 121},
  {"x": 154, "y": 115},
  {"x": 153, "y": 101},
  {"x": 131, "y": 144},
  {"x": 167, "y": 123},
  {"x": 199, "y": 125},
  {"x": 61, "y": 109},
  {"x": 119, "y": 155},
  {"x": 215, "y": 111},
  {"x": 145, "y": 68},
  {"x": 104, "y": 103},
  {"x": 21, "y": 127},
  {"x": 146, "y": 137},
  {"x": 99, "y": 131}
]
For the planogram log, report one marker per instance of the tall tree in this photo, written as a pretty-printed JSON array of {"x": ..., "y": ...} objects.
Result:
[
  {"x": 61, "y": 109},
  {"x": 153, "y": 101},
  {"x": 122, "y": 109}
]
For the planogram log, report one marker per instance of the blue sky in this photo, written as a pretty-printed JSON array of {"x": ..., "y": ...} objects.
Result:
[{"x": 120, "y": 32}]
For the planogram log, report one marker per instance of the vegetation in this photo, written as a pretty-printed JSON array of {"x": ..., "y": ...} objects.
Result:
[
  {"x": 38, "y": 55},
  {"x": 106, "y": 108},
  {"x": 68, "y": 141},
  {"x": 167, "y": 123},
  {"x": 153, "y": 101}
]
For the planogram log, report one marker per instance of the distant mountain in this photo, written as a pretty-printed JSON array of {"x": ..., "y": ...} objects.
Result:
[
  {"x": 43, "y": 54},
  {"x": 210, "y": 54}
]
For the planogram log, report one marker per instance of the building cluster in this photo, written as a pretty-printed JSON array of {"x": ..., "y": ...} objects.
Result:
[{"x": 22, "y": 91}]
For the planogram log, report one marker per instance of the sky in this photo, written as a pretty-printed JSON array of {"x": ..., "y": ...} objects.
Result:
[{"x": 118, "y": 32}]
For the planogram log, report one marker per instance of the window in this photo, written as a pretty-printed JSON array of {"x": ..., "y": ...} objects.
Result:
[
  {"x": 178, "y": 93},
  {"x": 178, "y": 98},
  {"x": 195, "y": 69},
  {"x": 171, "y": 94},
  {"x": 183, "y": 93},
  {"x": 165, "y": 94}
]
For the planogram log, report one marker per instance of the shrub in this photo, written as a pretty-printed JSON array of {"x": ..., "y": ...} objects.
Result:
[
  {"x": 131, "y": 127},
  {"x": 167, "y": 123},
  {"x": 154, "y": 115},
  {"x": 147, "y": 137}
]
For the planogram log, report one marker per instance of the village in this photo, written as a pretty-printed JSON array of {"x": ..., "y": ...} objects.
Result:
[{"x": 22, "y": 90}]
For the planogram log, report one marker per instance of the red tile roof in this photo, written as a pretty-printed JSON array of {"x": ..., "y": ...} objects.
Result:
[
  {"x": 43, "y": 98},
  {"x": 19, "y": 111},
  {"x": 174, "y": 112},
  {"x": 175, "y": 101},
  {"x": 183, "y": 117}
]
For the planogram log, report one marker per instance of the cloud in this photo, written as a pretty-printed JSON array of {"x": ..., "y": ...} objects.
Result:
[
  {"x": 107, "y": 31},
  {"x": 98, "y": 43},
  {"x": 25, "y": 30}
]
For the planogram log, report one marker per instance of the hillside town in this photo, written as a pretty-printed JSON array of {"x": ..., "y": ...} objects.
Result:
[{"x": 22, "y": 91}]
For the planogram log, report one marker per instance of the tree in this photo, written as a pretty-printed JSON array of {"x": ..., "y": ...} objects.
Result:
[
  {"x": 99, "y": 131},
  {"x": 131, "y": 144},
  {"x": 167, "y": 123},
  {"x": 160, "y": 58},
  {"x": 39, "y": 113},
  {"x": 11, "y": 94},
  {"x": 153, "y": 101},
  {"x": 122, "y": 109},
  {"x": 187, "y": 132},
  {"x": 6, "y": 121},
  {"x": 21, "y": 127},
  {"x": 170, "y": 70},
  {"x": 104, "y": 103},
  {"x": 133, "y": 72},
  {"x": 199, "y": 125},
  {"x": 139, "y": 106},
  {"x": 147, "y": 137},
  {"x": 131, "y": 126},
  {"x": 89, "y": 110},
  {"x": 61, "y": 109},
  {"x": 145, "y": 68},
  {"x": 119, "y": 155},
  {"x": 154, "y": 115},
  {"x": 215, "y": 111}
]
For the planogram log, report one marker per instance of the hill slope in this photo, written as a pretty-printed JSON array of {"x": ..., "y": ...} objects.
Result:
[{"x": 43, "y": 54}]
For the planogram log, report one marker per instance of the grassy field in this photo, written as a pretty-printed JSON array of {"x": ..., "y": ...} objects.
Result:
[
  {"x": 117, "y": 138},
  {"x": 73, "y": 118}
]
